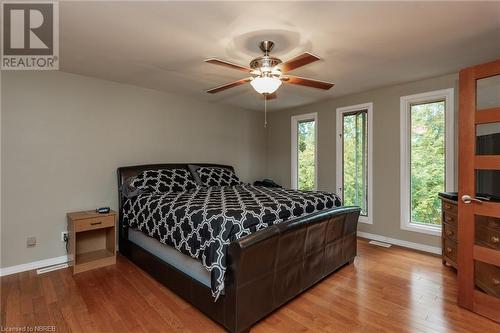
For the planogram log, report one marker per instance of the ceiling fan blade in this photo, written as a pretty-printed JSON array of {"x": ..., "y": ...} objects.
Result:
[
  {"x": 229, "y": 85},
  {"x": 228, "y": 64},
  {"x": 308, "y": 82},
  {"x": 298, "y": 61}
]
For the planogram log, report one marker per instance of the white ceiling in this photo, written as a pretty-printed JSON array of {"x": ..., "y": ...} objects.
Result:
[{"x": 162, "y": 45}]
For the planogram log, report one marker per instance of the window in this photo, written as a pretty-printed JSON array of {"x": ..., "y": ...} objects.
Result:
[
  {"x": 354, "y": 157},
  {"x": 304, "y": 152},
  {"x": 426, "y": 158}
]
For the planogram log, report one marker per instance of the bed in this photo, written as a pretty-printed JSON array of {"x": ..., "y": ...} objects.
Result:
[{"x": 235, "y": 252}]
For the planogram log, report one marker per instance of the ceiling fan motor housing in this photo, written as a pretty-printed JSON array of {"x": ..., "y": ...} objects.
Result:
[{"x": 265, "y": 64}]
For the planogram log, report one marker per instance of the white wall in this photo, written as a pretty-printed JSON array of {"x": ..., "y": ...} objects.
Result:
[{"x": 64, "y": 135}]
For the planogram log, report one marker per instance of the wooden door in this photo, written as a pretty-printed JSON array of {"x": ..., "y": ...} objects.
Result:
[{"x": 479, "y": 172}]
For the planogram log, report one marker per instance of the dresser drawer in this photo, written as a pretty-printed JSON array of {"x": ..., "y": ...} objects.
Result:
[
  {"x": 450, "y": 208},
  {"x": 488, "y": 222},
  {"x": 488, "y": 237},
  {"x": 450, "y": 249},
  {"x": 450, "y": 232},
  {"x": 450, "y": 219},
  {"x": 94, "y": 223},
  {"x": 487, "y": 278}
]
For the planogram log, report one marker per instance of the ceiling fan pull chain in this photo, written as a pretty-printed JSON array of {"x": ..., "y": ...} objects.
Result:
[{"x": 265, "y": 110}]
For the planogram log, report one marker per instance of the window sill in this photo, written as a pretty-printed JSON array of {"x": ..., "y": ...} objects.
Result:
[
  {"x": 365, "y": 219},
  {"x": 423, "y": 229}
]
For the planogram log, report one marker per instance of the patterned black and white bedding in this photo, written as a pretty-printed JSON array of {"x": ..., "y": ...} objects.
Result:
[{"x": 202, "y": 222}]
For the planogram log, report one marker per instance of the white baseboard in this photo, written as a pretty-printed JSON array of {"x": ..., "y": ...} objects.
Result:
[
  {"x": 63, "y": 259},
  {"x": 399, "y": 242},
  {"x": 33, "y": 265}
]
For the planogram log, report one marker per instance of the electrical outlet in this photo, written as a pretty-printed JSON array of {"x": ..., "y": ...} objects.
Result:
[
  {"x": 64, "y": 236},
  {"x": 31, "y": 242}
]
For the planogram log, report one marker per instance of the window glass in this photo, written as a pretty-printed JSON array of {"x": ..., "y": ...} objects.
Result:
[
  {"x": 355, "y": 160},
  {"x": 306, "y": 155},
  {"x": 427, "y": 161}
]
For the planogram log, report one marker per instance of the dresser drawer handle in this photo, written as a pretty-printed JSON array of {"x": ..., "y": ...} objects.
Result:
[
  {"x": 449, "y": 232},
  {"x": 448, "y": 218},
  {"x": 448, "y": 250},
  {"x": 447, "y": 206},
  {"x": 95, "y": 223},
  {"x": 494, "y": 239},
  {"x": 496, "y": 282}
]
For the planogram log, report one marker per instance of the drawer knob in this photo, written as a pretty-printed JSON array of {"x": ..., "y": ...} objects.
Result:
[
  {"x": 448, "y": 250},
  {"x": 449, "y": 232},
  {"x": 495, "y": 282},
  {"x": 95, "y": 223},
  {"x": 447, "y": 206},
  {"x": 448, "y": 218},
  {"x": 495, "y": 239}
]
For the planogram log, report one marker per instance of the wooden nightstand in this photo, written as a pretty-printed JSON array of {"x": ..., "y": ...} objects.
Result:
[{"x": 91, "y": 240}]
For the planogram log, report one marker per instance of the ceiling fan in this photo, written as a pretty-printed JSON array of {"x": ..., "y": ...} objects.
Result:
[{"x": 268, "y": 72}]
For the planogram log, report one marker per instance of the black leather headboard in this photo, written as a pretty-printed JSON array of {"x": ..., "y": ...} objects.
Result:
[{"x": 131, "y": 171}]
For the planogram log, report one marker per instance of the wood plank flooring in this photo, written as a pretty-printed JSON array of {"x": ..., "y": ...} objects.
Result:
[{"x": 386, "y": 290}]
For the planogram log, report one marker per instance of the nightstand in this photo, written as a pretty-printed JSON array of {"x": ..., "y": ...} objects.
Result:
[{"x": 91, "y": 240}]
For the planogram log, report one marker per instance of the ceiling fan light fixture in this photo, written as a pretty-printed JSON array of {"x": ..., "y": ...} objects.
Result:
[{"x": 266, "y": 84}]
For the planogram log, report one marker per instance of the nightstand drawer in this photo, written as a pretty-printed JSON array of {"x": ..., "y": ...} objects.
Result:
[{"x": 94, "y": 223}]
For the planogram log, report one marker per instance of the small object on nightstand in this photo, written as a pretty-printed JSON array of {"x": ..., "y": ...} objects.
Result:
[
  {"x": 91, "y": 240},
  {"x": 103, "y": 210}
]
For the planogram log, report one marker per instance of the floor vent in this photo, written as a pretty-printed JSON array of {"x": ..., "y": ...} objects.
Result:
[
  {"x": 51, "y": 268},
  {"x": 373, "y": 242}
]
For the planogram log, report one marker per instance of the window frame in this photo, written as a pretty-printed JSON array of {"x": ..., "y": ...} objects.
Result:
[
  {"x": 406, "y": 103},
  {"x": 340, "y": 152},
  {"x": 295, "y": 120}
]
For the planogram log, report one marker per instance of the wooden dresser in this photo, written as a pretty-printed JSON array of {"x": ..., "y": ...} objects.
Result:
[
  {"x": 487, "y": 234},
  {"x": 449, "y": 219}
]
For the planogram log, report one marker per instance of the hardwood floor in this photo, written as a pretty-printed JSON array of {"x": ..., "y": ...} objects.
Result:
[{"x": 386, "y": 290}]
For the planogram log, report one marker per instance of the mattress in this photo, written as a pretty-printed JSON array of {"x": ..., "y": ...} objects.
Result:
[
  {"x": 182, "y": 262},
  {"x": 202, "y": 222}
]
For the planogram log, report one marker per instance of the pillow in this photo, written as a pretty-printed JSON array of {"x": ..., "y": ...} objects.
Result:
[
  {"x": 128, "y": 190},
  {"x": 164, "y": 181},
  {"x": 214, "y": 176}
]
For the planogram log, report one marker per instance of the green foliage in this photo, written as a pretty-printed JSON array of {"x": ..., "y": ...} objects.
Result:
[
  {"x": 306, "y": 155},
  {"x": 427, "y": 161},
  {"x": 355, "y": 158}
]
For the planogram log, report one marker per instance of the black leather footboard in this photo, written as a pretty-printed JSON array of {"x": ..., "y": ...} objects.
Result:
[{"x": 270, "y": 267}]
